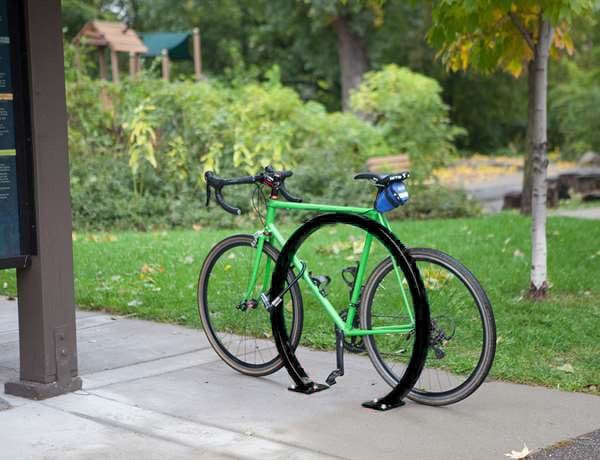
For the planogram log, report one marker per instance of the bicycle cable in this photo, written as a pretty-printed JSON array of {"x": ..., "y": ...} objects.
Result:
[{"x": 255, "y": 205}]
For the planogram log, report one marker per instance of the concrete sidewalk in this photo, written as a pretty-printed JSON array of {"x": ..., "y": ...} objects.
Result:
[{"x": 158, "y": 391}]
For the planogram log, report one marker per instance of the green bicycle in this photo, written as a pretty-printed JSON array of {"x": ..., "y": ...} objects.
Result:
[{"x": 379, "y": 318}]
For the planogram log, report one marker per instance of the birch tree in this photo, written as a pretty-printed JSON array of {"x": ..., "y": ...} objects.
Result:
[{"x": 514, "y": 36}]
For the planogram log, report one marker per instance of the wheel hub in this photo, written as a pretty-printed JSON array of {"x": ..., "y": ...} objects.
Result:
[{"x": 248, "y": 305}]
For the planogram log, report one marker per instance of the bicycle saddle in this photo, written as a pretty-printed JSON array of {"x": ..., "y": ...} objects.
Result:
[{"x": 381, "y": 180}]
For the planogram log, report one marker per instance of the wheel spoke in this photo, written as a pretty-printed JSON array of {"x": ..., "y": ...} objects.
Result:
[
  {"x": 240, "y": 335},
  {"x": 458, "y": 332}
]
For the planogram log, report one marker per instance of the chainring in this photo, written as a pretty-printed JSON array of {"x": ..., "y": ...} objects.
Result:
[{"x": 353, "y": 344}]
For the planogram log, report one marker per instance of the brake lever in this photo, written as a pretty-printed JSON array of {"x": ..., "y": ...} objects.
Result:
[
  {"x": 207, "y": 194},
  {"x": 288, "y": 196}
]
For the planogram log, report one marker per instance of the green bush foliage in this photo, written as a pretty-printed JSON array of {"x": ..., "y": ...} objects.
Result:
[
  {"x": 574, "y": 111},
  {"x": 409, "y": 109},
  {"x": 139, "y": 149}
]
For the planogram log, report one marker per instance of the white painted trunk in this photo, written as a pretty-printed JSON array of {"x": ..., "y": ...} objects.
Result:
[
  {"x": 538, "y": 146},
  {"x": 527, "y": 167}
]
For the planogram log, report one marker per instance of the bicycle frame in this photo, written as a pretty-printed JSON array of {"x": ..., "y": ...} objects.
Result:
[{"x": 272, "y": 234}]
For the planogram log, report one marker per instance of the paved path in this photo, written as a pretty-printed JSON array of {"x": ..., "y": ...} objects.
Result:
[
  {"x": 585, "y": 447},
  {"x": 584, "y": 213},
  {"x": 158, "y": 391},
  {"x": 491, "y": 192}
]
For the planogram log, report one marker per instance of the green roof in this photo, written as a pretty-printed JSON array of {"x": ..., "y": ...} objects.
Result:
[{"x": 176, "y": 43}]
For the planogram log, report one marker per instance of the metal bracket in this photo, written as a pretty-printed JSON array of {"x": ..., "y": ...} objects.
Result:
[
  {"x": 309, "y": 387},
  {"x": 63, "y": 363},
  {"x": 339, "y": 358},
  {"x": 383, "y": 404},
  {"x": 302, "y": 382}
]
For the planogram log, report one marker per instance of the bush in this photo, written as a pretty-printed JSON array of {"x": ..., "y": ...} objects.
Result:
[
  {"x": 409, "y": 109},
  {"x": 139, "y": 149},
  {"x": 574, "y": 111}
]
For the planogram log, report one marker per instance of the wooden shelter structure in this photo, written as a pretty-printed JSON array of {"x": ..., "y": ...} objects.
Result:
[
  {"x": 175, "y": 46},
  {"x": 117, "y": 38}
]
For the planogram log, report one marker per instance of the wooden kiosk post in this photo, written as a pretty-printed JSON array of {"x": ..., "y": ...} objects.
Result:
[{"x": 47, "y": 343}]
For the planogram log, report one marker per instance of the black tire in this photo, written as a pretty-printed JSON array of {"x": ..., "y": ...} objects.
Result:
[
  {"x": 212, "y": 306},
  {"x": 471, "y": 301},
  {"x": 417, "y": 350}
]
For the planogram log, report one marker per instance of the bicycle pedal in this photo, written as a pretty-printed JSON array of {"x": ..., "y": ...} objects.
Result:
[{"x": 321, "y": 281}]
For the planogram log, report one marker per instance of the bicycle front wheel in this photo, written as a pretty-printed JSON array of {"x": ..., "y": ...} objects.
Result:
[
  {"x": 239, "y": 328},
  {"x": 462, "y": 339}
]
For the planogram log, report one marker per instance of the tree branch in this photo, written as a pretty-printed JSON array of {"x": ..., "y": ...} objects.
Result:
[{"x": 521, "y": 28}]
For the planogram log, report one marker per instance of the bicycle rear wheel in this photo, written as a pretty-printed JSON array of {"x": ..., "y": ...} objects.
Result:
[
  {"x": 462, "y": 333},
  {"x": 241, "y": 333}
]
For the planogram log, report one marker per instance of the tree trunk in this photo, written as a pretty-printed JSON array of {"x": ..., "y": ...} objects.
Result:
[
  {"x": 527, "y": 167},
  {"x": 353, "y": 57},
  {"x": 539, "y": 163}
]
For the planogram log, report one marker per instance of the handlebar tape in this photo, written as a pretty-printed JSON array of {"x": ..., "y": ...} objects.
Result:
[{"x": 288, "y": 196}]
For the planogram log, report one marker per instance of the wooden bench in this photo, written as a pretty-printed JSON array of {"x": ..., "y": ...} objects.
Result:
[
  {"x": 587, "y": 183},
  {"x": 512, "y": 200},
  {"x": 390, "y": 163}
]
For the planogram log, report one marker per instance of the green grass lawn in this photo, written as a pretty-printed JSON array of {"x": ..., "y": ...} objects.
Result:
[{"x": 554, "y": 343}]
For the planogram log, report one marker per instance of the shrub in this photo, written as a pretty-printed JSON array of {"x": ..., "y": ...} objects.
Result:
[
  {"x": 139, "y": 148},
  {"x": 574, "y": 110},
  {"x": 409, "y": 109}
]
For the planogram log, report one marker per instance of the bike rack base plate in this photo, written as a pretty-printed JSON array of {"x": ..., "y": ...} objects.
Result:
[
  {"x": 309, "y": 389},
  {"x": 382, "y": 405}
]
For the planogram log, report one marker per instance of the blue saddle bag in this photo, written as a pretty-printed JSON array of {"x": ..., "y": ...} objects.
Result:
[{"x": 391, "y": 196}]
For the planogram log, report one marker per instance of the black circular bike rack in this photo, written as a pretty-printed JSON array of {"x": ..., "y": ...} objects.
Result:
[{"x": 302, "y": 382}]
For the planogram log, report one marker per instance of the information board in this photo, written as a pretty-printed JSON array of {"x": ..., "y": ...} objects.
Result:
[{"x": 15, "y": 203}]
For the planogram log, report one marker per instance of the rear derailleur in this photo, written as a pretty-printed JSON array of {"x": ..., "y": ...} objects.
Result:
[{"x": 442, "y": 331}]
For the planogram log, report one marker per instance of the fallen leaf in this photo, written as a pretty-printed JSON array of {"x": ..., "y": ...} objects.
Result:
[
  {"x": 568, "y": 368},
  {"x": 134, "y": 303},
  {"x": 197, "y": 227},
  {"x": 516, "y": 454},
  {"x": 146, "y": 269},
  {"x": 518, "y": 253},
  {"x": 188, "y": 260}
]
